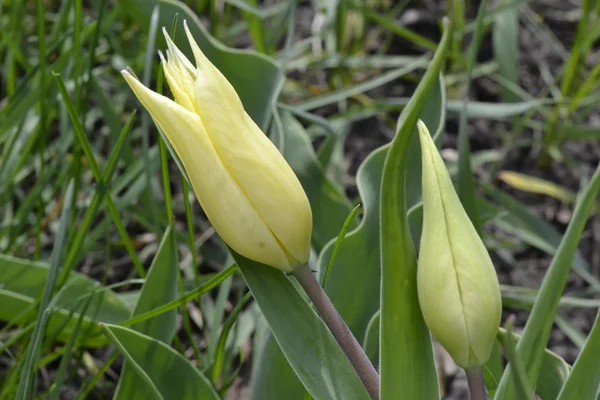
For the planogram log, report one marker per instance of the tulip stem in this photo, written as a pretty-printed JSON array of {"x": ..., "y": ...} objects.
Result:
[
  {"x": 476, "y": 383},
  {"x": 355, "y": 354}
]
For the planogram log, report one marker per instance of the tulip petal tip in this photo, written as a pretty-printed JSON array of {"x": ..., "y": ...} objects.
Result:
[{"x": 127, "y": 71}]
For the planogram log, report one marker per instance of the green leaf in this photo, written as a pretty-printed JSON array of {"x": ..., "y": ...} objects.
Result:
[
  {"x": 523, "y": 385},
  {"x": 355, "y": 281},
  {"x": 533, "y": 230},
  {"x": 338, "y": 243},
  {"x": 272, "y": 376},
  {"x": 29, "y": 366},
  {"x": 537, "y": 330},
  {"x": 553, "y": 373},
  {"x": 371, "y": 342},
  {"x": 164, "y": 373},
  {"x": 345, "y": 93},
  {"x": 217, "y": 368},
  {"x": 575, "y": 334},
  {"x": 584, "y": 379},
  {"x": 21, "y": 282},
  {"x": 479, "y": 109},
  {"x": 407, "y": 365},
  {"x": 524, "y": 298},
  {"x": 465, "y": 182},
  {"x": 533, "y": 184},
  {"x": 159, "y": 288},
  {"x": 306, "y": 342},
  {"x": 581, "y": 132},
  {"x": 505, "y": 36},
  {"x": 255, "y": 77},
  {"x": 493, "y": 369},
  {"x": 329, "y": 204}
]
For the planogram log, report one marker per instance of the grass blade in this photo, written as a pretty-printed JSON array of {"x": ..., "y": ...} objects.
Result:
[
  {"x": 87, "y": 149},
  {"x": 537, "y": 330},
  {"x": 217, "y": 368},
  {"x": 28, "y": 372},
  {"x": 465, "y": 179},
  {"x": 505, "y": 37},
  {"x": 339, "y": 241},
  {"x": 159, "y": 288},
  {"x": 213, "y": 283},
  {"x": 584, "y": 378},
  {"x": 523, "y": 386}
]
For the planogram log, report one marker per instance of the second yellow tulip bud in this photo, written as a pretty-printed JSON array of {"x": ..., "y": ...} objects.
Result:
[{"x": 458, "y": 289}]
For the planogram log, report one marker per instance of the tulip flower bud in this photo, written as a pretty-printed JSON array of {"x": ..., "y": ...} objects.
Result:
[
  {"x": 244, "y": 185},
  {"x": 459, "y": 293}
]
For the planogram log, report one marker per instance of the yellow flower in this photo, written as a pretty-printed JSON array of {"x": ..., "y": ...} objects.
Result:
[
  {"x": 246, "y": 188},
  {"x": 458, "y": 288}
]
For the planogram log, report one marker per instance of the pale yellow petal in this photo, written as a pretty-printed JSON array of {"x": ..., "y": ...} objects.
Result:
[
  {"x": 227, "y": 207},
  {"x": 439, "y": 294},
  {"x": 459, "y": 292},
  {"x": 175, "y": 84},
  {"x": 257, "y": 166}
]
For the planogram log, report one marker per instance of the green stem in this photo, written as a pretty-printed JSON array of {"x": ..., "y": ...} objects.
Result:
[
  {"x": 357, "y": 357},
  {"x": 476, "y": 383}
]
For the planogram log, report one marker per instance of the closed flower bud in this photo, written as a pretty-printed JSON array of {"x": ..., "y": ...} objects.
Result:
[
  {"x": 458, "y": 288},
  {"x": 244, "y": 185}
]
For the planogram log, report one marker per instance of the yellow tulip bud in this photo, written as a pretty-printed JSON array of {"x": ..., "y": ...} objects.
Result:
[
  {"x": 246, "y": 188},
  {"x": 459, "y": 293}
]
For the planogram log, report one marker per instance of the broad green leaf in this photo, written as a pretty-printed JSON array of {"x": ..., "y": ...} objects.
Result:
[
  {"x": 537, "y": 330},
  {"x": 505, "y": 36},
  {"x": 407, "y": 365},
  {"x": 160, "y": 287},
  {"x": 255, "y": 77},
  {"x": 553, "y": 373},
  {"x": 355, "y": 280},
  {"x": 584, "y": 379},
  {"x": 523, "y": 386},
  {"x": 21, "y": 282},
  {"x": 304, "y": 339},
  {"x": 163, "y": 372},
  {"x": 272, "y": 376},
  {"x": 329, "y": 204}
]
